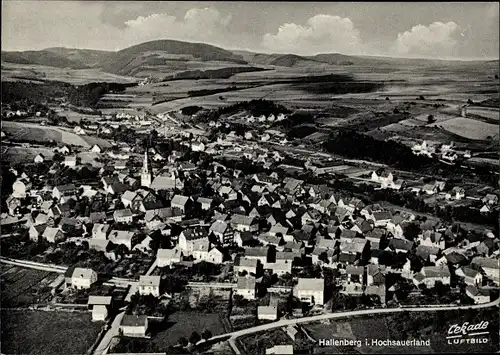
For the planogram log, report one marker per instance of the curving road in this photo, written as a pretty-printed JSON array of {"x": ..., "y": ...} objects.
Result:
[{"x": 286, "y": 322}]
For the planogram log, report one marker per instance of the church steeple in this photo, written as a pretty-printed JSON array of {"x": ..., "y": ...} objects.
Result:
[{"x": 145, "y": 174}]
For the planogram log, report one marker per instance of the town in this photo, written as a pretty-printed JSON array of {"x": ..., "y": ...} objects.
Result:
[{"x": 169, "y": 196}]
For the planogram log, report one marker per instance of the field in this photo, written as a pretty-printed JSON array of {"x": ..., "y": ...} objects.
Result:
[
  {"x": 24, "y": 154},
  {"x": 182, "y": 324},
  {"x": 37, "y": 133},
  {"x": 24, "y": 287},
  {"x": 469, "y": 128},
  {"x": 47, "y": 333},
  {"x": 23, "y": 72},
  {"x": 488, "y": 112}
]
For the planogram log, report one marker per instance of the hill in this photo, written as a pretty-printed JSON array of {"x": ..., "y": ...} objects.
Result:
[
  {"x": 87, "y": 57},
  {"x": 44, "y": 57},
  {"x": 163, "y": 52}
]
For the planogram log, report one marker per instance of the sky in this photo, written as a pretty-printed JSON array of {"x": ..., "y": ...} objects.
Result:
[{"x": 424, "y": 30}]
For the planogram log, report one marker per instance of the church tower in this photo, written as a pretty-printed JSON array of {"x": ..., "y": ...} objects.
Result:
[{"x": 145, "y": 174}]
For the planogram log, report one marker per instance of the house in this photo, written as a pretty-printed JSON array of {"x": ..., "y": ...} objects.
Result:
[
  {"x": 190, "y": 237},
  {"x": 457, "y": 193},
  {"x": 267, "y": 312},
  {"x": 478, "y": 294},
  {"x": 167, "y": 257},
  {"x": 429, "y": 275},
  {"x": 134, "y": 326},
  {"x": 400, "y": 245},
  {"x": 206, "y": 203},
  {"x": 246, "y": 287},
  {"x": 490, "y": 199},
  {"x": 490, "y": 267},
  {"x": 99, "y": 306},
  {"x": 127, "y": 238},
  {"x": 268, "y": 239},
  {"x": 243, "y": 223},
  {"x": 259, "y": 253},
  {"x": 99, "y": 313},
  {"x": 100, "y": 231},
  {"x": 197, "y": 146},
  {"x": 36, "y": 231},
  {"x": 375, "y": 275},
  {"x": 123, "y": 216},
  {"x": 243, "y": 238},
  {"x": 471, "y": 277},
  {"x": 80, "y": 278},
  {"x": 241, "y": 264},
  {"x": 127, "y": 198},
  {"x": 432, "y": 239},
  {"x": 311, "y": 290},
  {"x": 280, "y": 267},
  {"x": 70, "y": 161},
  {"x": 61, "y": 191},
  {"x": 40, "y": 158},
  {"x": 222, "y": 231},
  {"x": 96, "y": 149},
  {"x": 13, "y": 204},
  {"x": 381, "y": 218},
  {"x": 53, "y": 235},
  {"x": 149, "y": 285},
  {"x": 180, "y": 202}
]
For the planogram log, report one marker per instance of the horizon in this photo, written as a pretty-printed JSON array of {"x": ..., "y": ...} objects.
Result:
[{"x": 442, "y": 31}]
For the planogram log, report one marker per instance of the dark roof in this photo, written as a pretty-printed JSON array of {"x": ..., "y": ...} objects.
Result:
[{"x": 131, "y": 320}]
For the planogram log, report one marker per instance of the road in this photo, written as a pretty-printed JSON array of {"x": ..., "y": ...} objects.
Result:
[
  {"x": 114, "y": 330},
  {"x": 34, "y": 265},
  {"x": 286, "y": 322}
]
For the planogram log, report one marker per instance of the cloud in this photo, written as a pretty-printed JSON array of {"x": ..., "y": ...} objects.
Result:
[
  {"x": 322, "y": 33},
  {"x": 437, "y": 40},
  {"x": 198, "y": 24}
]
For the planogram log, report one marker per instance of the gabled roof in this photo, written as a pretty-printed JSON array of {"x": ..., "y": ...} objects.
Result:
[
  {"x": 256, "y": 251},
  {"x": 168, "y": 253},
  {"x": 242, "y": 261},
  {"x": 382, "y": 215},
  {"x": 241, "y": 219},
  {"x": 195, "y": 233},
  {"x": 246, "y": 283},
  {"x": 219, "y": 227},
  {"x": 122, "y": 213},
  {"x": 308, "y": 284},
  {"x": 179, "y": 200},
  {"x": 130, "y": 320}
]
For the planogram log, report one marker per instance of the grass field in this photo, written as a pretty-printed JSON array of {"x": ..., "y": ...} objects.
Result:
[
  {"x": 488, "y": 112},
  {"x": 25, "y": 154},
  {"x": 182, "y": 324},
  {"x": 469, "y": 128},
  {"x": 14, "y": 72},
  {"x": 47, "y": 333}
]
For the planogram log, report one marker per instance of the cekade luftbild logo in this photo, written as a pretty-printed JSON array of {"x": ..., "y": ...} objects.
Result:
[{"x": 468, "y": 333}]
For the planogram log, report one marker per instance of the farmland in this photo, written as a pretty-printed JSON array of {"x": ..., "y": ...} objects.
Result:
[
  {"x": 47, "y": 333},
  {"x": 25, "y": 154},
  {"x": 37, "y": 133},
  {"x": 167, "y": 333},
  {"x": 469, "y": 128},
  {"x": 24, "y": 287},
  {"x": 38, "y": 73}
]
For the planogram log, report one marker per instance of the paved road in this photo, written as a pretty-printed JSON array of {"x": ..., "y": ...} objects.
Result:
[
  {"x": 34, "y": 265},
  {"x": 112, "y": 332},
  {"x": 286, "y": 322}
]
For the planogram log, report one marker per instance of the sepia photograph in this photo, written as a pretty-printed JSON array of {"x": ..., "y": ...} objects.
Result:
[{"x": 249, "y": 177}]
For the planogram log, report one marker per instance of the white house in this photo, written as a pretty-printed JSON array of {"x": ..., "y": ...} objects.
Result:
[
  {"x": 80, "y": 278},
  {"x": 134, "y": 326},
  {"x": 267, "y": 312},
  {"x": 429, "y": 275},
  {"x": 123, "y": 216},
  {"x": 246, "y": 287},
  {"x": 167, "y": 257},
  {"x": 70, "y": 161},
  {"x": 149, "y": 285},
  {"x": 311, "y": 290}
]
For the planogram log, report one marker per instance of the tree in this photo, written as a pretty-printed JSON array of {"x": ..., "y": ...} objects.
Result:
[
  {"x": 431, "y": 119},
  {"x": 194, "y": 338},
  {"x": 206, "y": 334}
]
